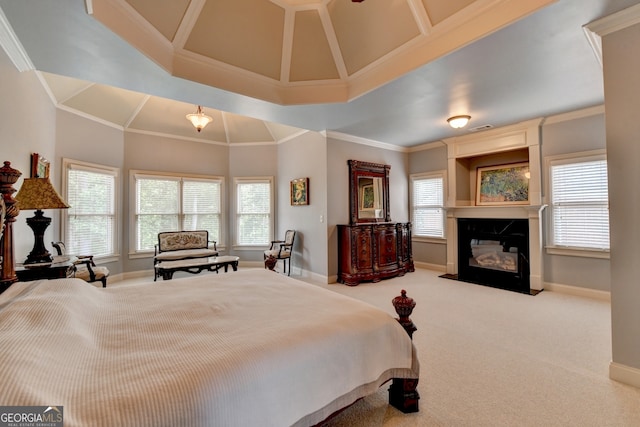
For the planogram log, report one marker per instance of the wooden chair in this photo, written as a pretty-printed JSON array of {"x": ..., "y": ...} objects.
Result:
[
  {"x": 281, "y": 250},
  {"x": 85, "y": 268}
]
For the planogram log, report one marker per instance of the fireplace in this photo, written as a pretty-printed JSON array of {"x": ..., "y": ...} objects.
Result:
[{"x": 494, "y": 252}]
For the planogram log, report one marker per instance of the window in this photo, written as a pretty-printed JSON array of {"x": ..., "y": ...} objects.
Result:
[
  {"x": 172, "y": 203},
  {"x": 254, "y": 211},
  {"x": 427, "y": 205},
  {"x": 90, "y": 224},
  {"x": 579, "y": 207}
]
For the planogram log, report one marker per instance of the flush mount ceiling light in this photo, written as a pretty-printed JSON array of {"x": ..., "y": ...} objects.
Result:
[
  {"x": 458, "y": 122},
  {"x": 199, "y": 119}
]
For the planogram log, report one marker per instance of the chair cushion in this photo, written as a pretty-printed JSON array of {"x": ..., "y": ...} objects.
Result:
[
  {"x": 185, "y": 253},
  {"x": 274, "y": 252},
  {"x": 83, "y": 273},
  {"x": 174, "y": 240}
]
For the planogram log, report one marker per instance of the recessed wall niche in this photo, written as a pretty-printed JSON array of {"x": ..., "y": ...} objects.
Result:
[
  {"x": 508, "y": 145},
  {"x": 500, "y": 146}
]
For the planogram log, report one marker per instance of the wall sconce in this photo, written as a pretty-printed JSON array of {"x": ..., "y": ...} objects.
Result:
[
  {"x": 458, "y": 122},
  {"x": 38, "y": 193},
  {"x": 199, "y": 119}
]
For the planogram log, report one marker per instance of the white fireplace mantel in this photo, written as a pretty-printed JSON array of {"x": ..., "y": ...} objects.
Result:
[{"x": 523, "y": 136}]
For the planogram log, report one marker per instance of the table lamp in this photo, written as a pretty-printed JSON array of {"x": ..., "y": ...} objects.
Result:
[{"x": 38, "y": 193}]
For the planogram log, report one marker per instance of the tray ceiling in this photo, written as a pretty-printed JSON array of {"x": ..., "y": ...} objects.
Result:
[{"x": 302, "y": 51}]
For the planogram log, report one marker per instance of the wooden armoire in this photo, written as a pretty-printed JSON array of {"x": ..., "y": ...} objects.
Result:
[{"x": 371, "y": 247}]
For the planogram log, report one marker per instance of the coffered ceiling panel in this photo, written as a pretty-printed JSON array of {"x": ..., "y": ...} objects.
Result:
[
  {"x": 137, "y": 112},
  {"x": 225, "y": 32},
  {"x": 243, "y": 129},
  {"x": 303, "y": 51},
  {"x": 165, "y": 16},
  {"x": 439, "y": 10},
  {"x": 311, "y": 55},
  {"x": 115, "y": 106},
  {"x": 366, "y": 34}
]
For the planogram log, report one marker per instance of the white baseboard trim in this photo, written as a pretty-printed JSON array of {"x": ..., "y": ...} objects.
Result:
[
  {"x": 130, "y": 275},
  {"x": 577, "y": 291},
  {"x": 624, "y": 374},
  {"x": 429, "y": 266}
]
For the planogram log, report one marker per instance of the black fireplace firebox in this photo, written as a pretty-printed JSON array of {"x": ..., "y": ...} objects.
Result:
[{"x": 494, "y": 252}]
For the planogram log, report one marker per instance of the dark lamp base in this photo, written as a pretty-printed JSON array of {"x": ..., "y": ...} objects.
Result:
[{"x": 39, "y": 254}]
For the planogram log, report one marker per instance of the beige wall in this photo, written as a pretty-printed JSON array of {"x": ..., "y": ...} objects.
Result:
[
  {"x": 338, "y": 152},
  {"x": 323, "y": 160},
  {"x": 622, "y": 102},
  {"x": 162, "y": 154},
  {"x": 432, "y": 159},
  {"x": 305, "y": 157},
  {"x": 27, "y": 125},
  {"x": 563, "y": 134}
]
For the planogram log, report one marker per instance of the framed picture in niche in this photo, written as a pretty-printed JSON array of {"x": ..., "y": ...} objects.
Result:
[
  {"x": 503, "y": 185},
  {"x": 300, "y": 191},
  {"x": 39, "y": 166}
]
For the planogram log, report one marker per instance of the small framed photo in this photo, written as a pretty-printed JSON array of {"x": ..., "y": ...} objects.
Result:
[
  {"x": 300, "y": 191},
  {"x": 503, "y": 185},
  {"x": 39, "y": 166}
]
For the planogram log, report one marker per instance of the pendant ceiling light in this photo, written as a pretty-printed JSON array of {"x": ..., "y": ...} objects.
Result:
[
  {"x": 199, "y": 119},
  {"x": 458, "y": 122}
]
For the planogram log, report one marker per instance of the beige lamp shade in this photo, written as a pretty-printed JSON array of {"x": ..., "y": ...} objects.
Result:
[{"x": 38, "y": 193}]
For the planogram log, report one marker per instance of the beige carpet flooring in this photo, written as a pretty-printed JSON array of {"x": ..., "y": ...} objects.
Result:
[{"x": 491, "y": 357}]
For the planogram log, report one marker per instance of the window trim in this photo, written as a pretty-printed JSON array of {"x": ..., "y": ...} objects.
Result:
[
  {"x": 429, "y": 175},
  {"x": 67, "y": 164},
  {"x": 560, "y": 159},
  {"x": 134, "y": 173},
  {"x": 256, "y": 179}
]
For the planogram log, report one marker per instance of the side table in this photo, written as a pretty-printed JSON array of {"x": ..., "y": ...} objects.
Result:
[{"x": 58, "y": 270}]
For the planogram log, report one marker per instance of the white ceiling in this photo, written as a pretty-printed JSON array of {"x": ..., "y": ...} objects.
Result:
[{"x": 366, "y": 82}]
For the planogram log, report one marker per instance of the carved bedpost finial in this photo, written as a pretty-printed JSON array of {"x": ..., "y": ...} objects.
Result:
[
  {"x": 403, "y": 393},
  {"x": 404, "y": 307},
  {"x": 8, "y": 177}
]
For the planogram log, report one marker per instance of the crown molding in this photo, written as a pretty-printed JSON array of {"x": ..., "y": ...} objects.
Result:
[
  {"x": 615, "y": 22},
  {"x": 599, "y": 28},
  {"x": 365, "y": 141}
]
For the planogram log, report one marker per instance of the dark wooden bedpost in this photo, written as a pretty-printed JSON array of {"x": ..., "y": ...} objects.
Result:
[
  {"x": 403, "y": 393},
  {"x": 8, "y": 177}
]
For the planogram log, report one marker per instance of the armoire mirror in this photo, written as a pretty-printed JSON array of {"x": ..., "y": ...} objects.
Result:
[{"x": 368, "y": 192}]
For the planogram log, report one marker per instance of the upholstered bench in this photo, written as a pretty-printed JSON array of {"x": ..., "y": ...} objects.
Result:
[
  {"x": 195, "y": 265},
  {"x": 180, "y": 245}
]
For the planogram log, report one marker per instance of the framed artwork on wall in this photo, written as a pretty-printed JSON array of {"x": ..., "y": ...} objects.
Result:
[
  {"x": 300, "y": 191},
  {"x": 503, "y": 185},
  {"x": 39, "y": 166}
]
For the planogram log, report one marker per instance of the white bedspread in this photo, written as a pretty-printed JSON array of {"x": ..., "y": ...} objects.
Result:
[{"x": 246, "y": 348}]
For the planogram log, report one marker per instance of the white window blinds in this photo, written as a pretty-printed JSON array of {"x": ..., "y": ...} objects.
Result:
[
  {"x": 428, "y": 206},
  {"x": 171, "y": 203},
  {"x": 90, "y": 220},
  {"x": 201, "y": 206},
  {"x": 253, "y": 216},
  {"x": 579, "y": 204},
  {"x": 157, "y": 209}
]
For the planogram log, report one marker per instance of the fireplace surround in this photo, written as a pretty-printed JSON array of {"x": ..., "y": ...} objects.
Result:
[{"x": 467, "y": 153}]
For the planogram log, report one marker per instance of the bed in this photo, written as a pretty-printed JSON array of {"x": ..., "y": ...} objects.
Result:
[{"x": 243, "y": 349}]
